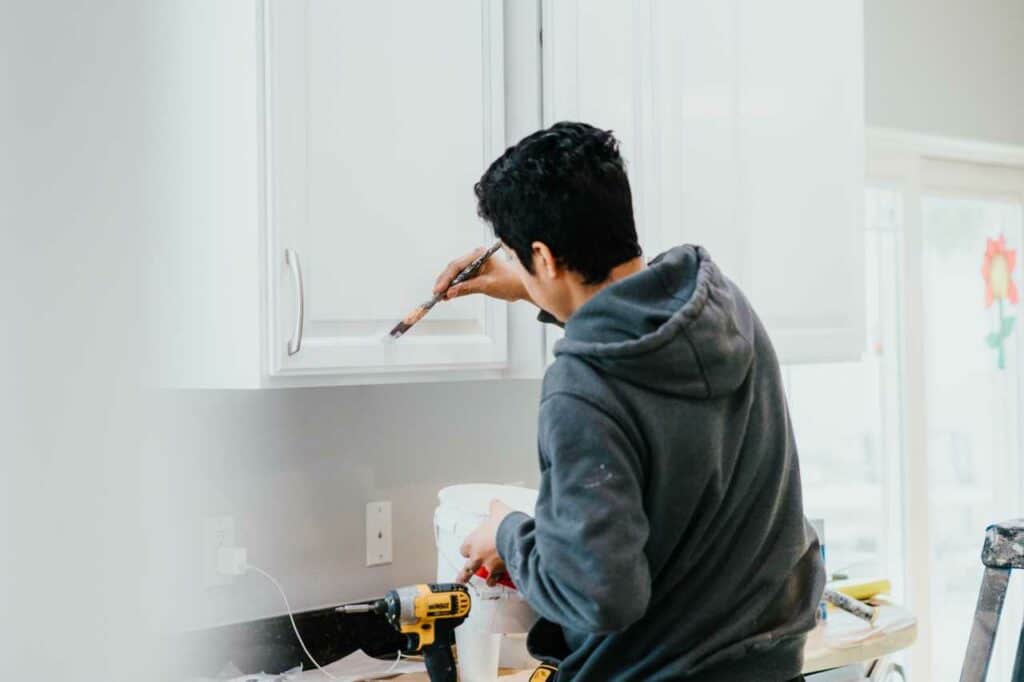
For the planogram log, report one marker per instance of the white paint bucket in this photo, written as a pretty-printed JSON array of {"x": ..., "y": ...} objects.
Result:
[
  {"x": 495, "y": 610},
  {"x": 514, "y": 653}
]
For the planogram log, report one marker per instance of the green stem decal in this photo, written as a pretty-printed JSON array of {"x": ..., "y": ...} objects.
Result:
[{"x": 997, "y": 339}]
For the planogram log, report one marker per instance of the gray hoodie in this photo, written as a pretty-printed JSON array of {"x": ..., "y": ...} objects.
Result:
[{"x": 669, "y": 540}]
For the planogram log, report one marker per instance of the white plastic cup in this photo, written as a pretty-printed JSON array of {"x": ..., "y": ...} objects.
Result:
[{"x": 479, "y": 653}]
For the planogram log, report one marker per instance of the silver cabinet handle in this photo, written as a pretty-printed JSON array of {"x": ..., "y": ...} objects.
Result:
[{"x": 292, "y": 259}]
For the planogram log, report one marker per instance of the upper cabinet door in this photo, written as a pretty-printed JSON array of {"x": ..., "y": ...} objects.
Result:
[
  {"x": 742, "y": 127},
  {"x": 381, "y": 116},
  {"x": 801, "y": 144}
]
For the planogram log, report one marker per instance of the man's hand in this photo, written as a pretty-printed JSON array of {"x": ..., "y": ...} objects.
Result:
[
  {"x": 497, "y": 278},
  {"x": 481, "y": 549}
]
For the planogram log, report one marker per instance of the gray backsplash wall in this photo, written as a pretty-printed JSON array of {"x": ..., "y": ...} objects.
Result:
[{"x": 295, "y": 469}]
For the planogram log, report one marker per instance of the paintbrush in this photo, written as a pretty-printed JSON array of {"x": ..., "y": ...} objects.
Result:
[{"x": 466, "y": 273}]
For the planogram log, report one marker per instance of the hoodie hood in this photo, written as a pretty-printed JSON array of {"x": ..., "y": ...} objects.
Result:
[{"x": 678, "y": 327}]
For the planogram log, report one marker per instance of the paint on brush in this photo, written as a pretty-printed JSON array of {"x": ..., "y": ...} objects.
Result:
[{"x": 421, "y": 310}]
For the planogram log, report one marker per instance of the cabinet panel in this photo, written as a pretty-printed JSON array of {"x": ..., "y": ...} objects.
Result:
[{"x": 382, "y": 115}]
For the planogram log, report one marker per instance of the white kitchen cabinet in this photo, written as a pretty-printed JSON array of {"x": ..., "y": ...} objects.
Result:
[
  {"x": 742, "y": 126},
  {"x": 325, "y": 178}
]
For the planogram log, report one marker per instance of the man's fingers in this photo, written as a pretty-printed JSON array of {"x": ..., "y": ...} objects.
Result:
[
  {"x": 470, "y": 286},
  {"x": 454, "y": 268},
  {"x": 495, "y": 571},
  {"x": 468, "y": 571}
]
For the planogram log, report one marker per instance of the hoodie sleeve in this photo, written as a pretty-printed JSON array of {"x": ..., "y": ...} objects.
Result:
[{"x": 581, "y": 562}]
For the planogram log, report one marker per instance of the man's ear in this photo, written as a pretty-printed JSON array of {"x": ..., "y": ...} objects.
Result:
[{"x": 544, "y": 262}]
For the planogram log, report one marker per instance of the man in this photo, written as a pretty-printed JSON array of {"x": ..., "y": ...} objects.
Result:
[{"x": 669, "y": 541}]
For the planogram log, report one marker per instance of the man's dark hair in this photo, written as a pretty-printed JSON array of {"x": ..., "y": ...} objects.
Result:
[{"x": 565, "y": 186}]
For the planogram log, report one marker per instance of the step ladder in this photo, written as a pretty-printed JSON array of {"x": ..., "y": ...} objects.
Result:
[{"x": 1003, "y": 551}]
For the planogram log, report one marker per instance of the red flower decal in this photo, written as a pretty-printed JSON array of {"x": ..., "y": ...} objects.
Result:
[{"x": 997, "y": 270}]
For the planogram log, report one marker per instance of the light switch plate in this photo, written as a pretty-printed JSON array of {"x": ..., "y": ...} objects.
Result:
[{"x": 378, "y": 533}]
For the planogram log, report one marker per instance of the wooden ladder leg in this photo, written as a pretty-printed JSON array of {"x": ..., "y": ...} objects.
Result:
[{"x": 986, "y": 621}]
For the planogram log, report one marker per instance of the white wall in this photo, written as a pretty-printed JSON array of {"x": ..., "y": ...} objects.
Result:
[
  {"x": 295, "y": 469},
  {"x": 946, "y": 67},
  {"x": 73, "y": 205}
]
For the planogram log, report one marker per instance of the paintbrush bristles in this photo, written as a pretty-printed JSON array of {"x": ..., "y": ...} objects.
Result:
[{"x": 409, "y": 320}]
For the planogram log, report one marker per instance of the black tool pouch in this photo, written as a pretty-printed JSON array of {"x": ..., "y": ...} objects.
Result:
[{"x": 546, "y": 642}]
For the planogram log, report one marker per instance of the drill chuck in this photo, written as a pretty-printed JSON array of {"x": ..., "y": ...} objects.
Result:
[{"x": 378, "y": 607}]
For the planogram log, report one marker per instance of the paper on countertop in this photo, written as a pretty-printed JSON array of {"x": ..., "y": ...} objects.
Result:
[
  {"x": 357, "y": 667},
  {"x": 262, "y": 677}
]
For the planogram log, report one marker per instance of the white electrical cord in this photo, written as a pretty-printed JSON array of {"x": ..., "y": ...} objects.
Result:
[
  {"x": 291, "y": 617},
  {"x": 295, "y": 627}
]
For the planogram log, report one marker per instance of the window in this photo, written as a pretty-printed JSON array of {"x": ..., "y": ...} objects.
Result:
[
  {"x": 971, "y": 378},
  {"x": 911, "y": 451}
]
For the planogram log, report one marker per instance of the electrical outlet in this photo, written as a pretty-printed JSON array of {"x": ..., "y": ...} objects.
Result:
[
  {"x": 218, "y": 531},
  {"x": 378, "y": 533}
]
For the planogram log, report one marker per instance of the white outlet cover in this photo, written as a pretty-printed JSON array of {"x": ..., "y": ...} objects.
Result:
[
  {"x": 218, "y": 531},
  {"x": 378, "y": 533}
]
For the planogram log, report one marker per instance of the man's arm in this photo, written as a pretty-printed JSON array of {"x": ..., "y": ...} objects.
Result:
[
  {"x": 497, "y": 279},
  {"x": 581, "y": 562}
]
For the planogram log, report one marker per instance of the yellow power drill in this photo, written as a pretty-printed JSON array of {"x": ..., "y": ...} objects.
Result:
[{"x": 427, "y": 614}]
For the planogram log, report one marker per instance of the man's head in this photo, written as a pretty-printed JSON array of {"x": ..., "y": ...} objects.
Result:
[{"x": 560, "y": 201}]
